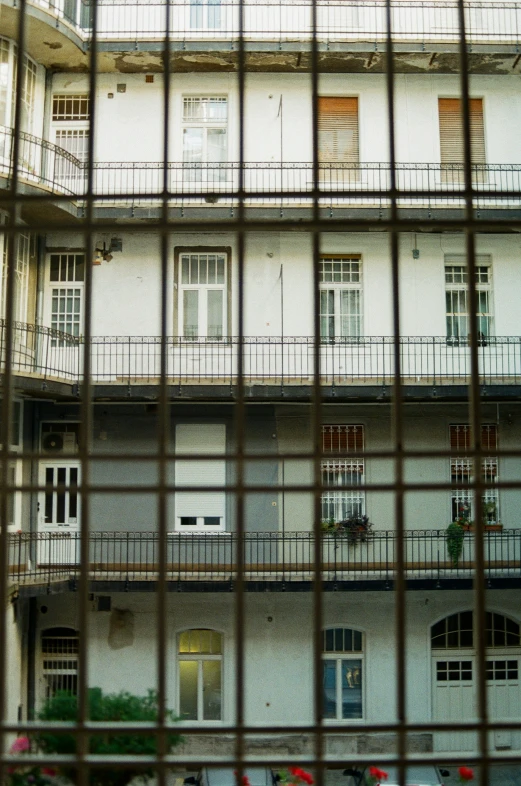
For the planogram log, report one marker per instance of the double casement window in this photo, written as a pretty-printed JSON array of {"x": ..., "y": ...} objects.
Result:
[
  {"x": 8, "y": 66},
  {"x": 451, "y": 139},
  {"x": 462, "y": 473},
  {"x": 342, "y": 674},
  {"x": 343, "y": 446},
  {"x": 201, "y": 511},
  {"x": 338, "y": 140},
  {"x": 202, "y": 289},
  {"x": 200, "y": 663},
  {"x": 66, "y": 275},
  {"x": 70, "y": 118},
  {"x": 25, "y": 250},
  {"x": 456, "y": 298},
  {"x": 205, "y": 14},
  {"x": 205, "y": 138},
  {"x": 340, "y": 281}
]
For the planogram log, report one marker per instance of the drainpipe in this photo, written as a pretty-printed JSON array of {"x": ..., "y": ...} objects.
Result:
[{"x": 31, "y": 657}]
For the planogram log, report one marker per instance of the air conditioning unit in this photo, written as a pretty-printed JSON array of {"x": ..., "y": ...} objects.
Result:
[{"x": 59, "y": 442}]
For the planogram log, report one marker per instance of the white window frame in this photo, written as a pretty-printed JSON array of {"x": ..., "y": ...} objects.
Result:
[
  {"x": 462, "y": 478},
  {"x": 202, "y": 170},
  {"x": 339, "y": 274},
  {"x": 9, "y": 56},
  {"x": 339, "y": 505},
  {"x": 199, "y": 658},
  {"x": 25, "y": 249},
  {"x": 66, "y": 286},
  {"x": 456, "y": 286},
  {"x": 341, "y": 657},
  {"x": 203, "y": 293},
  {"x": 205, "y": 15},
  {"x": 68, "y": 129}
]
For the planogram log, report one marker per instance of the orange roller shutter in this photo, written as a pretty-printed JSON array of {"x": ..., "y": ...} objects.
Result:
[
  {"x": 338, "y": 130},
  {"x": 451, "y": 131}
]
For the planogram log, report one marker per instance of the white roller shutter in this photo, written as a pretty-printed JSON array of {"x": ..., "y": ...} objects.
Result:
[{"x": 200, "y": 511}]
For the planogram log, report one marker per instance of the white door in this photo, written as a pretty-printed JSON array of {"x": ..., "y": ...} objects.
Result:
[
  {"x": 504, "y": 698},
  {"x": 454, "y": 700},
  {"x": 59, "y": 513}
]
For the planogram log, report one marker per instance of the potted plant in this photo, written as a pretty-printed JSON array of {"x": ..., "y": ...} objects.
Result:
[
  {"x": 356, "y": 528},
  {"x": 455, "y": 535}
]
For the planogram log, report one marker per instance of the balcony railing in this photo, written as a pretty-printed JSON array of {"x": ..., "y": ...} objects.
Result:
[
  {"x": 364, "y": 185},
  {"x": 134, "y": 556},
  {"x": 287, "y": 20},
  {"x": 369, "y": 360}
]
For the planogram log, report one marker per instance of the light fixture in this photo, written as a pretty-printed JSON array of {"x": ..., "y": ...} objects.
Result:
[{"x": 116, "y": 244}]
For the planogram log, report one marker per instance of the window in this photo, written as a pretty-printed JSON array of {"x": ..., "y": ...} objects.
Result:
[
  {"x": 205, "y": 14},
  {"x": 456, "y": 631},
  {"x": 451, "y": 139},
  {"x": 344, "y": 468},
  {"x": 342, "y": 664},
  {"x": 205, "y": 138},
  {"x": 66, "y": 274},
  {"x": 202, "y": 294},
  {"x": 340, "y": 298},
  {"x": 70, "y": 116},
  {"x": 461, "y": 470},
  {"x": 8, "y": 65},
  {"x": 200, "y": 675},
  {"x": 60, "y": 648},
  {"x": 456, "y": 298},
  {"x": 203, "y": 512},
  {"x": 338, "y": 139},
  {"x": 25, "y": 249}
]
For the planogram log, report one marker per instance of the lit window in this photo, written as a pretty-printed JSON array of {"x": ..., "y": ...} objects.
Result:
[
  {"x": 342, "y": 664},
  {"x": 200, "y": 675}
]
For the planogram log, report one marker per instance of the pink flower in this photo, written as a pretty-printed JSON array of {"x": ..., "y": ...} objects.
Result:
[
  {"x": 20, "y": 745},
  {"x": 465, "y": 774}
]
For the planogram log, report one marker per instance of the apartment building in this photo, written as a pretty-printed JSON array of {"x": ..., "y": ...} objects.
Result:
[{"x": 258, "y": 316}]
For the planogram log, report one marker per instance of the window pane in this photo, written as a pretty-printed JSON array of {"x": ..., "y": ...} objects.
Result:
[
  {"x": 188, "y": 689},
  {"x": 190, "y": 313},
  {"x": 351, "y": 689},
  {"x": 215, "y": 313},
  {"x": 211, "y": 689},
  {"x": 329, "y": 683},
  {"x": 193, "y": 144},
  {"x": 216, "y": 145}
]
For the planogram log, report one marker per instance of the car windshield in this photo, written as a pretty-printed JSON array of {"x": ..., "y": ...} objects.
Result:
[
  {"x": 415, "y": 776},
  {"x": 225, "y": 776}
]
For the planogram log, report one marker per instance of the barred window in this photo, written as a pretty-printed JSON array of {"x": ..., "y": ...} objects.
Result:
[
  {"x": 461, "y": 469},
  {"x": 70, "y": 107},
  {"x": 344, "y": 471},
  {"x": 59, "y": 652}
]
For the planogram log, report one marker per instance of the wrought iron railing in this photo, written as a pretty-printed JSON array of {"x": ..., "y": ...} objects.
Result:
[
  {"x": 268, "y": 556},
  {"x": 364, "y": 185},
  {"x": 365, "y": 20},
  {"x": 425, "y": 360}
]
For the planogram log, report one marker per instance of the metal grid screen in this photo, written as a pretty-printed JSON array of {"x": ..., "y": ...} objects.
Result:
[{"x": 65, "y": 202}]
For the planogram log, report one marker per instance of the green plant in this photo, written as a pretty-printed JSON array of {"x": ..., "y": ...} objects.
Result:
[
  {"x": 356, "y": 528},
  {"x": 455, "y": 535},
  {"x": 123, "y": 707},
  {"x": 328, "y": 525}
]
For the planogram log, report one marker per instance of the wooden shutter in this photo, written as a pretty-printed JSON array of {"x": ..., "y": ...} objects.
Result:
[
  {"x": 338, "y": 130},
  {"x": 451, "y": 131}
]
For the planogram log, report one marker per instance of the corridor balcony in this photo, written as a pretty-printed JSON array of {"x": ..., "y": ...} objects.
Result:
[
  {"x": 116, "y": 362},
  {"x": 271, "y": 560},
  {"x": 364, "y": 188}
]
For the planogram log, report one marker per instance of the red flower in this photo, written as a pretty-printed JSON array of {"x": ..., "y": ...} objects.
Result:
[
  {"x": 465, "y": 774},
  {"x": 298, "y": 772},
  {"x": 48, "y": 771},
  {"x": 380, "y": 775},
  {"x": 245, "y": 781}
]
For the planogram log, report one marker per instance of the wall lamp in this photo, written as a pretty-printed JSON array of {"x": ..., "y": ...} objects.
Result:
[{"x": 104, "y": 254}]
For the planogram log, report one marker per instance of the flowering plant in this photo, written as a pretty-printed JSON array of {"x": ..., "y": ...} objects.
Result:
[
  {"x": 376, "y": 776},
  {"x": 27, "y": 775},
  {"x": 465, "y": 774},
  {"x": 295, "y": 776}
]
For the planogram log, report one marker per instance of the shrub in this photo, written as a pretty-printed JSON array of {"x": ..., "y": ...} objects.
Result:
[{"x": 110, "y": 707}]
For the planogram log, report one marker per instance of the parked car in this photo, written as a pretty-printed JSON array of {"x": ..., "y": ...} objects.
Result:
[
  {"x": 415, "y": 775},
  {"x": 225, "y": 776}
]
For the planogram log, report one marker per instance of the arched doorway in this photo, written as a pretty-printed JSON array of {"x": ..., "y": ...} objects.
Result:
[{"x": 454, "y": 669}]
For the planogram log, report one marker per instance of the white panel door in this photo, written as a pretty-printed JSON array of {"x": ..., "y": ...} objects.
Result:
[
  {"x": 59, "y": 513},
  {"x": 454, "y": 700},
  {"x": 504, "y": 698}
]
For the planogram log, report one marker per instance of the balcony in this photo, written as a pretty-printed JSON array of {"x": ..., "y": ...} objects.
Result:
[
  {"x": 272, "y": 560},
  {"x": 272, "y": 366},
  {"x": 345, "y": 31},
  {"x": 280, "y": 190}
]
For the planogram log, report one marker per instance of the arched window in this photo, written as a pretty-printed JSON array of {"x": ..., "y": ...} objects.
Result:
[
  {"x": 456, "y": 631},
  {"x": 59, "y": 661},
  {"x": 200, "y": 675},
  {"x": 342, "y": 664}
]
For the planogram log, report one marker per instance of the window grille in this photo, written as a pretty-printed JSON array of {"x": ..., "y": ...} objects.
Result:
[{"x": 223, "y": 398}]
